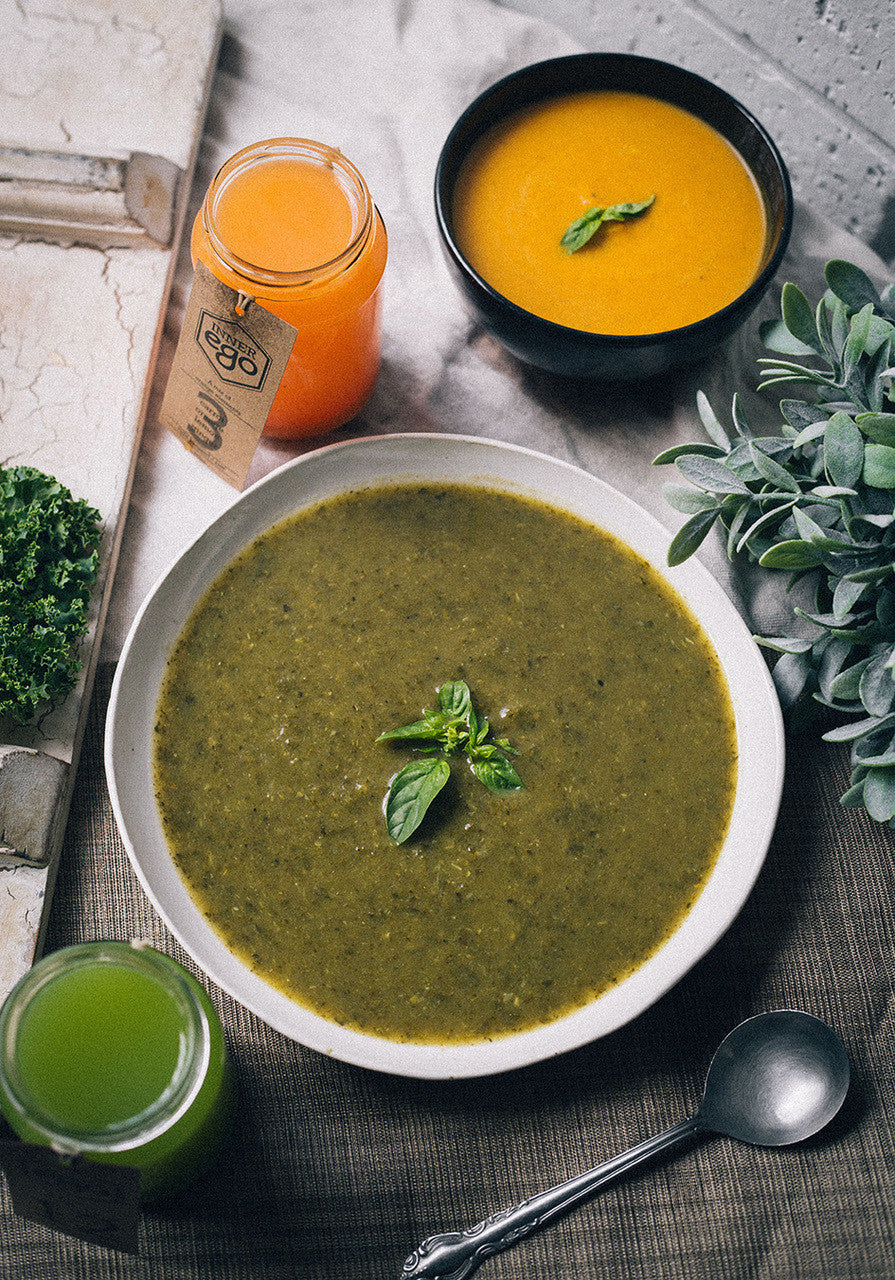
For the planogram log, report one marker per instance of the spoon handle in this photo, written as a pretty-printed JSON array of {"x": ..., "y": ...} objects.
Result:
[{"x": 453, "y": 1255}]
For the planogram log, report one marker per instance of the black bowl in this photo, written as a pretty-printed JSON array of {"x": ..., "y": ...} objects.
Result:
[{"x": 574, "y": 352}]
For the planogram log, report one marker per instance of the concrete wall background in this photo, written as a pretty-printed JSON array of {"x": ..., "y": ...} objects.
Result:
[{"x": 819, "y": 74}]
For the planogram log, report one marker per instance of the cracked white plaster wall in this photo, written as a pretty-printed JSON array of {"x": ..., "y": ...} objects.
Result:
[
  {"x": 76, "y": 344},
  {"x": 122, "y": 72},
  {"x": 75, "y": 349}
]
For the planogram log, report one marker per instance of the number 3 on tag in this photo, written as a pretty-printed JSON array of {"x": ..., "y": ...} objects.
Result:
[{"x": 227, "y": 367}]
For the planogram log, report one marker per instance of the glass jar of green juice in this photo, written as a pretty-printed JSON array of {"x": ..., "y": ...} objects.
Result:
[{"x": 113, "y": 1051}]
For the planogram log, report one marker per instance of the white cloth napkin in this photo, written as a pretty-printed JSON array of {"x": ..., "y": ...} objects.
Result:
[{"x": 384, "y": 80}]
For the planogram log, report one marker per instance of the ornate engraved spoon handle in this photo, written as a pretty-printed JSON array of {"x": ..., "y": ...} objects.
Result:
[{"x": 454, "y": 1255}]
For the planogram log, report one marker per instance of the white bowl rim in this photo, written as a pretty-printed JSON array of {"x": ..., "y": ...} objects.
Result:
[{"x": 393, "y": 458}]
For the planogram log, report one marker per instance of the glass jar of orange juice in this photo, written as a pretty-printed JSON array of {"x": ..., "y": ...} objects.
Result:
[{"x": 291, "y": 224}]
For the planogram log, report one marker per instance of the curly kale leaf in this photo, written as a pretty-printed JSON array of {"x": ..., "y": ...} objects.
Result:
[{"x": 49, "y": 557}]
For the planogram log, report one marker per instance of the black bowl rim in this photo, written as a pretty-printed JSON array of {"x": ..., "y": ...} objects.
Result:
[{"x": 621, "y": 341}]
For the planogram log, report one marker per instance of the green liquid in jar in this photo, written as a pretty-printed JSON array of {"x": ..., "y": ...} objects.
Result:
[
  {"x": 99, "y": 1045},
  {"x": 117, "y": 1052}
]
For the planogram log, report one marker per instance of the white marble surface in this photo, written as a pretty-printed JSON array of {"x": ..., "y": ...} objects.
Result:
[{"x": 384, "y": 80}]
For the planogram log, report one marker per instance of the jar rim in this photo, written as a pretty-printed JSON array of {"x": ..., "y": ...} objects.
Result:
[
  {"x": 352, "y": 183},
  {"x": 162, "y": 1113}
]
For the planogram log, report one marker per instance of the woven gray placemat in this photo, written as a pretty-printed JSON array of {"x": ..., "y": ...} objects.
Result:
[{"x": 335, "y": 1173}]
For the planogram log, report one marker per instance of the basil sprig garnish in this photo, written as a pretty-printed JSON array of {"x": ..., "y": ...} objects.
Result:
[
  {"x": 451, "y": 728},
  {"x": 584, "y": 228}
]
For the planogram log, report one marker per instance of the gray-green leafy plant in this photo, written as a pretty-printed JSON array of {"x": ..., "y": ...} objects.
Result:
[
  {"x": 453, "y": 726},
  {"x": 818, "y": 501}
]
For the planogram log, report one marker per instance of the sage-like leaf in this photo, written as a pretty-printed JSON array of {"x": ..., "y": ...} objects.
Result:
[
  {"x": 770, "y": 446},
  {"x": 830, "y": 658},
  {"x": 798, "y": 316},
  {"x": 880, "y": 427},
  {"x": 711, "y": 422},
  {"x": 689, "y": 501},
  {"x": 798, "y": 372},
  {"x": 774, "y": 516},
  {"x": 858, "y": 333},
  {"x": 712, "y": 475},
  {"x": 792, "y": 555},
  {"x": 792, "y": 677},
  {"x": 840, "y": 491},
  {"x": 772, "y": 471},
  {"x": 846, "y": 595},
  {"x": 875, "y": 574},
  {"x": 691, "y": 536},
  {"x": 583, "y": 229},
  {"x": 786, "y": 644},
  {"x": 879, "y": 793},
  {"x": 879, "y": 466},
  {"x": 741, "y": 463},
  {"x": 839, "y": 327},
  {"x": 843, "y": 450},
  {"x": 877, "y": 688},
  {"x": 801, "y": 415},
  {"x": 880, "y": 333},
  {"x": 808, "y": 529},
  {"x": 697, "y": 450},
  {"x": 876, "y": 373},
  {"x": 851, "y": 284},
  {"x": 823, "y": 317},
  {"x": 853, "y": 798},
  {"x": 735, "y": 527},
  {"x": 776, "y": 337},
  {"x": 850, "y": 732},
  {"x": 846, "y": 686}
]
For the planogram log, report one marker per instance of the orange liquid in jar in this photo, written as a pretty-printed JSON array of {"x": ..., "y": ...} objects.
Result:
[{"x": 291, "y": 224}]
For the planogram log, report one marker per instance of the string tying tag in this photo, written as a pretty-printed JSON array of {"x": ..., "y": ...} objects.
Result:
[{"x": 242, "y": 303}]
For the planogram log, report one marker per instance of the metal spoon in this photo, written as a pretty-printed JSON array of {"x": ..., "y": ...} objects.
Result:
[{"x": 777, "y": 1078}]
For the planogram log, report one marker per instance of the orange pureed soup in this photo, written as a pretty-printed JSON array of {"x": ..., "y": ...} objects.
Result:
[{"x": 697, "y": 248}]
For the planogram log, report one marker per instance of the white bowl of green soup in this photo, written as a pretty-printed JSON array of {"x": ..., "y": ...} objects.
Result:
[{"x": 428, "y": 759}]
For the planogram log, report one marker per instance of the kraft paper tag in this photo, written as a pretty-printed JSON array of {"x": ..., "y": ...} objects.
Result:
[
  {"x": 99, "y": 1203},
  {"x": 227, "y": 367}
]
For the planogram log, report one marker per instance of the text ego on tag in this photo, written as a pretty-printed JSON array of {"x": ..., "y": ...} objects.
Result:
[{"x": 227, "y": 367}]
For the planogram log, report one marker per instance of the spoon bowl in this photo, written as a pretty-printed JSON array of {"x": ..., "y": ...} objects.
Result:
[{"x": 777, "y": 1078}]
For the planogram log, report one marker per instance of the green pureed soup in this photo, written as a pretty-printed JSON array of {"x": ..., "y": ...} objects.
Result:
[{"x": 502, "y": 911}]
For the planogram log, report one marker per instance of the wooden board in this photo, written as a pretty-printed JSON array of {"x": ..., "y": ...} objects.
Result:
[{"x": 82, "y": 313}]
